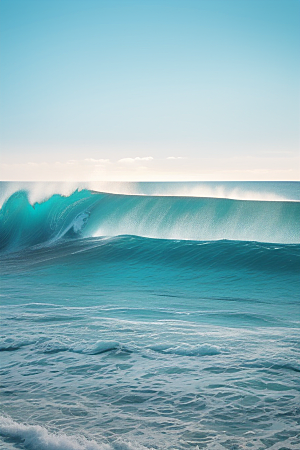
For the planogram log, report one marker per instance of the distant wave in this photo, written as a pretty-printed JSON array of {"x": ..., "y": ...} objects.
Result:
[{"x": 87, "y": 214}]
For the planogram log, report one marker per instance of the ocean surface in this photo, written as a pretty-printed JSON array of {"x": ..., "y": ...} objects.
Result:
[{"x": 141, "y": 316}]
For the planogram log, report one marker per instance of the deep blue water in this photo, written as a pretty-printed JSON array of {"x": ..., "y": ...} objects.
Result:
[{"x": 159, "y": 317}]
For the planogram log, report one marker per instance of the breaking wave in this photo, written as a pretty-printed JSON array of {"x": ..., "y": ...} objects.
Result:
[
  {"x": 88, "y": 214},
  {"x": 36, "y": 437}
]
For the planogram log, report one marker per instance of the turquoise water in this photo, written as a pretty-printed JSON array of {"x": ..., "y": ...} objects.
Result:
[{"x": 156, "y": 316}]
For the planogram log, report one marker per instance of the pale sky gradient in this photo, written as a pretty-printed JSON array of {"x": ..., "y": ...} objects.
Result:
[{"x": 149, "y": 89}]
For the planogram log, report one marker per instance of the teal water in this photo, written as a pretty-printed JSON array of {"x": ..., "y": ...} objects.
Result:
[{"x": 142, "y": 320}]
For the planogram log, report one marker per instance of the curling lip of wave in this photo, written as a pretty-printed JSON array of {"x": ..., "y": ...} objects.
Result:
[{"x": 87, "y": 214}]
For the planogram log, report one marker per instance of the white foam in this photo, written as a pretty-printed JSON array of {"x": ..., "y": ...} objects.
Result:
[
  {"x": 36, "y": 437},
  {"x": 37, "y": 192}
]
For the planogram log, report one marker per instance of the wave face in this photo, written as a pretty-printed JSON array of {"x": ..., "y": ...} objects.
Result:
[{"x": 88, "y": 213}]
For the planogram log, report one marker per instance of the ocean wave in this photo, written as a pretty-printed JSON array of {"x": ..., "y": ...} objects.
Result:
[
  {"x": 88, "y": 214},
  {"x": 95, "y": 348},
  {"x": 53, "y": 346},
  {"x": 37, "y": 437},
  {"x": 188, "y": 349}
]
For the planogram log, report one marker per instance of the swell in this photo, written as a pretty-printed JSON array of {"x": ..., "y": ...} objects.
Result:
[{"x": 88, "y": 214}]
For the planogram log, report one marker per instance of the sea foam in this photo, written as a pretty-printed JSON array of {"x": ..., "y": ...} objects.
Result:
[{"x": 36, "y": 437}]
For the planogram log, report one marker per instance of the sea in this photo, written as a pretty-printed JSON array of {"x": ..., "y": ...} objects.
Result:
[{"x": 138, "y": 316}]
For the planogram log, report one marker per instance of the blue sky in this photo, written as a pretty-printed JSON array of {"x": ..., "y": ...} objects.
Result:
[{"x": 148, "y": 89}]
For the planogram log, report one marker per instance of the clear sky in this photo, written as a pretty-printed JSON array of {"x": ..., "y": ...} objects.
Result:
[{"x": 149, "y": 89}]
